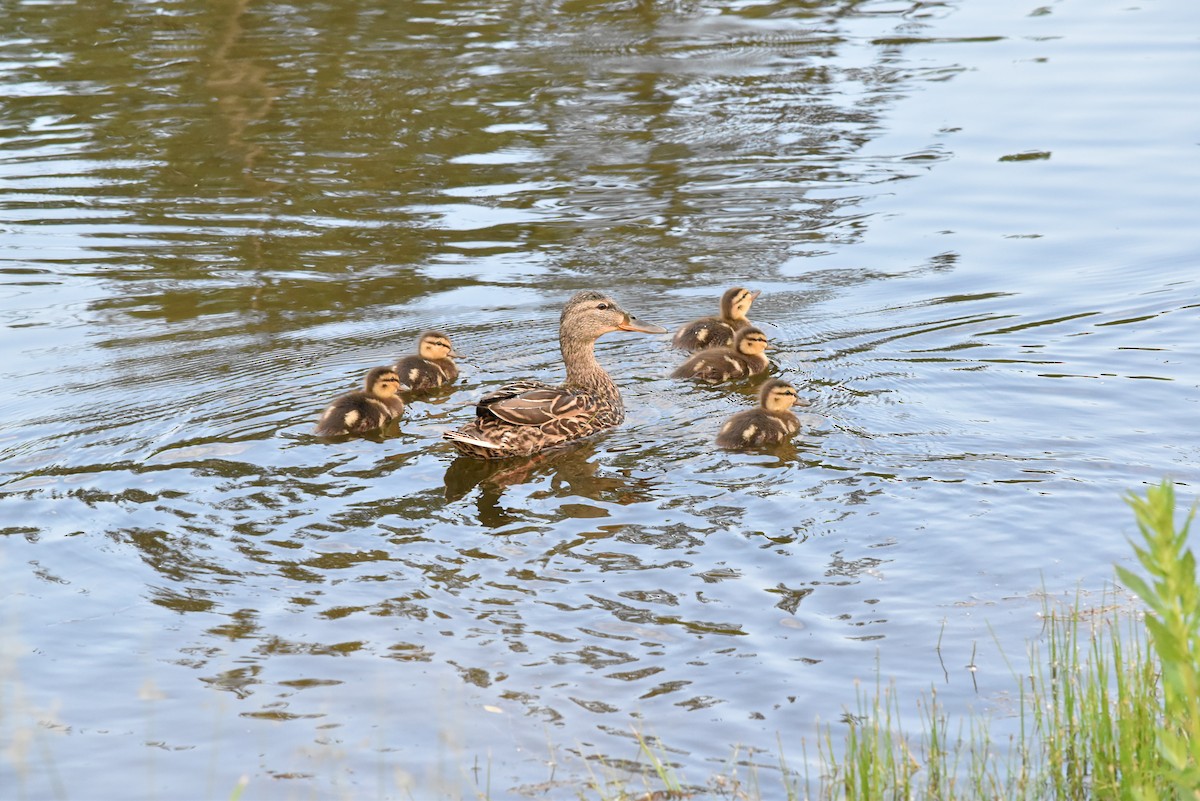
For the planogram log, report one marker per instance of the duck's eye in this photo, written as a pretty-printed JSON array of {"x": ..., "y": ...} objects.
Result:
[{"x": 602, "y": 306}]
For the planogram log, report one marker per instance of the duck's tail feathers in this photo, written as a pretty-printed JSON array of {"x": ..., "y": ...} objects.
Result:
[{"x": 466, "y": 439}]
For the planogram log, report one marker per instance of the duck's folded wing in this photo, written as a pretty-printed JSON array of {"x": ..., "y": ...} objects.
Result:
[{"x": 535, "y": 406}]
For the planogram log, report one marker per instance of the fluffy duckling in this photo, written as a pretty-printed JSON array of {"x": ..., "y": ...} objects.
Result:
[
  {"x": 373, "y": 407},
  {"x": 432, "y": 366},
  {"x": 714, "y": 365},
  {"x": 716, "y": 332},
  {"x": 525, "y": 417},
  {"x": 771, "y": 423}
]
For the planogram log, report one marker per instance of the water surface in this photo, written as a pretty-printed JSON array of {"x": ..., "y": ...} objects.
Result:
[{"x": 975, "y": 235}]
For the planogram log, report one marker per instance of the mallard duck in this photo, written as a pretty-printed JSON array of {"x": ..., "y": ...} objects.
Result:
[
  {"x": 770, "y": 423},
  {"x": 714, "y": 365},
  {"x": 525, "y": 417},
  {"x": 374, "y": 406},
  {"x": 432, "y": 366},
  {"x": 716, "y": 332}
]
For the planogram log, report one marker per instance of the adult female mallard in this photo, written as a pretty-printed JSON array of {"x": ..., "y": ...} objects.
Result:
[
  {"x": 770, "y": 423},
  {"x": 716, "y": 332},
  {"x": 432, "y": 365},
  {"x": 714, "y": 365},
  {"x": 373, "y": 407},
  {"x": 525, "y": 417}
]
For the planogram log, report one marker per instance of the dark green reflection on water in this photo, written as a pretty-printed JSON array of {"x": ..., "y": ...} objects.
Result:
[{"x": 287, "y": 145}]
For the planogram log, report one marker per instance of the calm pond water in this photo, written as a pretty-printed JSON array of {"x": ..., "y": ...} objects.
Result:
[{"x": 975, "y": 230}]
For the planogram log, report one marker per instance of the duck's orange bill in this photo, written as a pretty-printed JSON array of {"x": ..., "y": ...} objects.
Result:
[{"x": 632, "y": 323}]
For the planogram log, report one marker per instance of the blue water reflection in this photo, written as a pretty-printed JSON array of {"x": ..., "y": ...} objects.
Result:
[{"x": 974, "y": 233}]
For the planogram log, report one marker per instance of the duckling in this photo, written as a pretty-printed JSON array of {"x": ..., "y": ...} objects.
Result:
[
  {"x": 526, "y": 417},
  {"x": 769, "y": 424},
  {"x": 432, "y": 366},
  {"x": 714, "y": 365},
  {"x": 716, "y": 332},
  {"x": 374, "y": 406}
]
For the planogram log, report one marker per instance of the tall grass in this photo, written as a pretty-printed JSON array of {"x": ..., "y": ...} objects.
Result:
[{"x": 1109, "y": 710}]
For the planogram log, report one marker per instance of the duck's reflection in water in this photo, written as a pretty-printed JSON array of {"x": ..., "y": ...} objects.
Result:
[{"x": 572, "y": 471}]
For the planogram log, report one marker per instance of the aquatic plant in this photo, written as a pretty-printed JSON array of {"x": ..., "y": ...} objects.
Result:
[
  {"x": 1173, "y": 622},
  {"x": 1096, "y": 721},
  {"x": 1109, "y": 710}
]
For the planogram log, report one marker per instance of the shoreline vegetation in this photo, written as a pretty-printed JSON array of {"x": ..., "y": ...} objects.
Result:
[{"x": 1108, "y": 709}]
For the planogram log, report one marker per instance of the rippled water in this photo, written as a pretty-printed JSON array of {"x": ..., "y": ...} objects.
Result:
[{"x": 975, "y": 232}]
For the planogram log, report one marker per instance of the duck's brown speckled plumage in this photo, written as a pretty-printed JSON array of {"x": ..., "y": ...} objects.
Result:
[
  {"x": 525, "y": 417},
  {"x": 718, "y": 331},
  {"x": 770, "y": 423},
  {"x": 373, "y": 407},
  {"x": 714, "y": 365},
  {"x": 431, "y": 366}
]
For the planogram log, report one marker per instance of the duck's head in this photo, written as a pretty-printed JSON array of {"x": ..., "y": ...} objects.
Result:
[
  {"x": 591, "y": 314},
  {"x": 750, "y": 341},
  {"x": 435, "y": 345},
  {"x": 777, "y": 395},
  {"x": 382, "y": 382},
  {"x": 736, "y": 302}
]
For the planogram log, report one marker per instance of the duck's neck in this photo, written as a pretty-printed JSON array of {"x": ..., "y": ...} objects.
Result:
[{"x": 579, "y": 355}]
